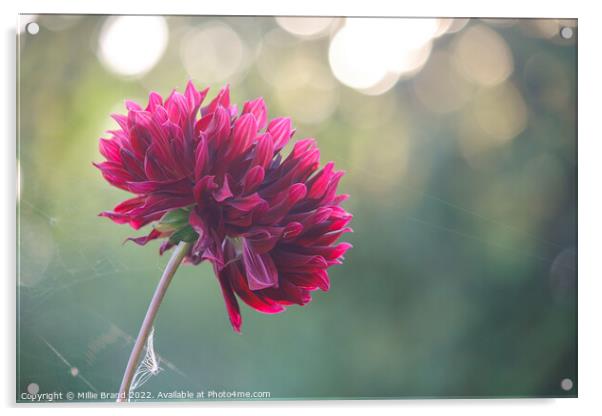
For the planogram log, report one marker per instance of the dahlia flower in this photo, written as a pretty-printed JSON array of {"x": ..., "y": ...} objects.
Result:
[{"x": 219, "y": 181}]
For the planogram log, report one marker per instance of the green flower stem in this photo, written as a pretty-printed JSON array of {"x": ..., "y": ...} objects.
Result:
[{"x": 175, "y": 260}]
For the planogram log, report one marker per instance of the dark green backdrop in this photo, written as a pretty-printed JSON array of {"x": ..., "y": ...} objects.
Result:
[{"x": 462, "y": 279}]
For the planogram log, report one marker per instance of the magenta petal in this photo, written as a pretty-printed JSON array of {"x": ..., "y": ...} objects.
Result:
[
  {"x": 230, "y": 299},
  {"x": 258, "y": 109},
  {"x": 115, "y": 174},
  {"x": 340, "y": 198},
  {"x": 311, "y": 281},
  {"x": 252, "y": 179},
  {"x": 289, "y": 294},
  {"x": 286, "y": 200},
  {"x": 201, "y": 158},
  {"x": 132, "y": 164},
  {"x": 255, "y": 299},
  {"x": 292, "y": 230},
  {"x": 221, "y": 100},
  {"x": 177, "y": 107},
  {"x": 179, "y": 186},
  {"x": 263, "y": 239},
  {"x": 155, "y": 206},
  {"x": 264, "y": 151},
  {"x": 132, "y": 105},
  {"x": 154, "y": 101},
  {"x": 327, "y": 252},
  {"x": 292, "y": 260},
  {"x": 160, "y": 115},
  {"x": 197, "y": 223},
  {"x": 166, "y": 245},
  {"x": 281, "y": 131},
  {"x": 216, "y": 126},
  {"x": 260, "y": 269},
  {"x": 243, "y": 134},
  {"x": 152, "y": 168},
  {"x": 130, "y": 204},
  {"x": 141, "y": 241},
  {"x": 318, "y": 184},
  {"x": 206, "y": 183},
  {"x": 121, "y": 120},
  {"x": 195, "y": 98},
  {"x": 109, "y": 149},
  {"x": 223, "y": 192},
  {"x": 140, "y": 141},
  {"x": 247, "y": 203}
]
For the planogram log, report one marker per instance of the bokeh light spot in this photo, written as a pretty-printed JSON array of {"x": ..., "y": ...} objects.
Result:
[
  {"x": 547, "y": 82},
  {"x": 542, "y": 28},
  {"x": 544, "y": 186},
  {"x": 369, "y": 112},
  {"x": 38, "y": 248},
  {"x": 279, "y": 63},
  {"x": 457, "y": 25},
  {"x": 501, "y": 112},
  {"x": 563, "y": 275},
  {"x": 364, "y": 52},
  {"x": 132, "y": 45},
  {"x": 213, "y": 54},
  {"x": 311, "y": 96},
  {"x": 440, "y": 87},
  {"x": 306, "y": 27},
  {"x": 310, "y": 104},
  {"x": 57, "y": 22},
  {"x": 382, "y": 168},
  {"x": 483, "y": 56},
  {"x": 494, "y": 117}
]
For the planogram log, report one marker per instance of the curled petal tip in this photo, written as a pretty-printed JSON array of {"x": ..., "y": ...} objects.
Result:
[{"x": 237, "y": 324}]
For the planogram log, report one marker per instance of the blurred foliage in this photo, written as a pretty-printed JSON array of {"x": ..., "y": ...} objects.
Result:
[{"x": 462, "y": 279}]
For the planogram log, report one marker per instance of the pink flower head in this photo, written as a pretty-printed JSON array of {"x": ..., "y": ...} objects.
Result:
[{"x": 267, "y": 223}]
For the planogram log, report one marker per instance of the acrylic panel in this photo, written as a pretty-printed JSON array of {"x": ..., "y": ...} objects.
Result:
[{"x": 355, "y": 208}]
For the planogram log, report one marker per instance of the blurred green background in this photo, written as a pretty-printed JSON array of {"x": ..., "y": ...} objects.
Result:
[{"x": 459, "y": 141}]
